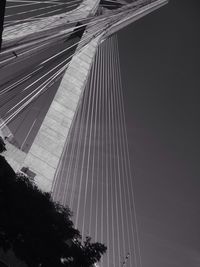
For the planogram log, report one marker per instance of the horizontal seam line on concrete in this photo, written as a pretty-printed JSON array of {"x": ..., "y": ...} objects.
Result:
[{"x": 44, "y": 162}]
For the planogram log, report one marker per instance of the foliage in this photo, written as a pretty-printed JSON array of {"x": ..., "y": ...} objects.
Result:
[
  {"x": 39, "y": 231},
  {"x": 87, "y": 254}
]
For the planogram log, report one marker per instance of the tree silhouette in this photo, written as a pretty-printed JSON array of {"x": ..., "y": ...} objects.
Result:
[
  {"x": 39, "y": 231},
  {"x": 87, "y": 254}
]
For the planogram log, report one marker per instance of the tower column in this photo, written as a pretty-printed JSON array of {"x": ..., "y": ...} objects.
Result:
[{"x": 44, "y": 154}]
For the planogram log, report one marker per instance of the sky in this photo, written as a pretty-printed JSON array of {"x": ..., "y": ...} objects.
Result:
[{"x": 160, "y": 60}]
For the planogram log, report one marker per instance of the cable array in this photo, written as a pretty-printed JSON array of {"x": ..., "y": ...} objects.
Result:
[
  {"x": 94, "y": 176},
  {"x": 14, "y": 101},
  {"x": 34, "y": 10},
  {"x": 54, "y": 21},
  {"x": 28, "y": 93},
  {"x": 29, "y": 46}
]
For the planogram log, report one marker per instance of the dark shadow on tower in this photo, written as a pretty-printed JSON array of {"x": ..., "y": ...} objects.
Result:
[{"x": 2, "y": 13}]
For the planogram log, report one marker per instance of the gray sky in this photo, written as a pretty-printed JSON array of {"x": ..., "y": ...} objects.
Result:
[{"x": 160, "y": 60}]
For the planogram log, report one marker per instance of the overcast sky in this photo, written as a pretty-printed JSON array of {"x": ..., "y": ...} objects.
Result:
[{"x": 160, "y": 60}]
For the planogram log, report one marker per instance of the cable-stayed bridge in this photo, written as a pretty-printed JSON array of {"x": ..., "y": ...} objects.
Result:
[{"x": 62, "y": 112}]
